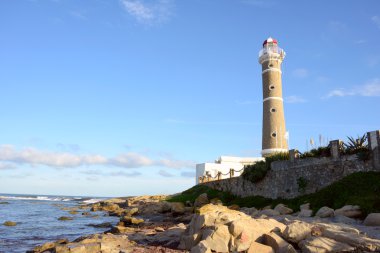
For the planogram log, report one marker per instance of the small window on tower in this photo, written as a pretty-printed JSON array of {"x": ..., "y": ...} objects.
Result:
[
  {"x": 272, "y": 109},
  {"x": 270, "y": 65},
  {"x": 271, "y": 87},
  {"x": 274, "y": 134}
]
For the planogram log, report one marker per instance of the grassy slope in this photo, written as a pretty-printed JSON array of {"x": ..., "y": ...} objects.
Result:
[{"x": 362, "y": 188}]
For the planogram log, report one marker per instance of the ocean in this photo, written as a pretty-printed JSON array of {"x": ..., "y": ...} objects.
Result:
[{"x": 37, "y": 220}]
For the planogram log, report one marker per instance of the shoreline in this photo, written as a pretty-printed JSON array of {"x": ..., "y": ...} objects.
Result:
[{"x": 152, "y": 224}]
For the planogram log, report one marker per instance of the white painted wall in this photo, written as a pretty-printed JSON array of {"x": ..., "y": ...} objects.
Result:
[{"x": 224, "y": 164}]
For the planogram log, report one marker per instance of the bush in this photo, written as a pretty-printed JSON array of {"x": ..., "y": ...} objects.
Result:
[
  {"x": 317, "y": 152},
  {"x": 256, "y": 172}
]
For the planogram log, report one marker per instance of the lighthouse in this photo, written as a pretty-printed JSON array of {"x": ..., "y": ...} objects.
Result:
[{"x": 274, "y": 135}]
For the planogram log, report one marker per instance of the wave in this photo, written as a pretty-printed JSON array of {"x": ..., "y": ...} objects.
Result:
[
  {"x": 37, "y": 198},
  {"x": 84, "y": 200}
]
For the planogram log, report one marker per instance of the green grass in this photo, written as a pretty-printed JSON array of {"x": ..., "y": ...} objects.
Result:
[{"x": 361, "y": 188}]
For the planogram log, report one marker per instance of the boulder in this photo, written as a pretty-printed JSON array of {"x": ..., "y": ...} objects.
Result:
[
  {"x": 216, "y": 201},
  {"x": 283, "y": 209},
  {"x": 305, "y": 213},
  {"x": 201, "y": 247},
  {"x": 10, "y": 223},
  {"x": 278, "y": 244},
  {"x": 372, "y": 219},
  {"x": 131, "y": 211},
  {"x": 219, "y": 240},
  {"x": 349, "y": 211},
  {"x": 325, "y": 212},
  {"x": 127, "y": 220},
  {"x": 4, "y": 203},
  {"x": 323, "y": 245},
  {"x": 178, "y": 208},
  {"x": 201, "y": 200},
  {"x": 297, "y": 231},
  {"x": 249, "y": 210},
  {"x": 267, "y": 212},
  {"x": 234, "y": 207},
  {"x": 210, "y": 224},
  {"x": 305, "y": 206},
  {"x": 256, "y": 247}
]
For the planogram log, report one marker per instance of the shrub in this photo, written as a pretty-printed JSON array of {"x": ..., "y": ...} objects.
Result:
[
  {"x": 302, "y": 183},
  {"x": 255, "y": 172},
  {"x": 317, "y": 152},
  {"x": 357, "y": 146}
]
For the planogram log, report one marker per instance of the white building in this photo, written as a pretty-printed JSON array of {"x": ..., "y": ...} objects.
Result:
[{"x": 223, "y": 165}]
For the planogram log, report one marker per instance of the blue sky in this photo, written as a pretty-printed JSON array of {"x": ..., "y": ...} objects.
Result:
[{"x": 123, "y": 97}]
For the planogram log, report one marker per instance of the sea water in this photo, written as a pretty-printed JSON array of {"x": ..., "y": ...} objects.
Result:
[{"x": 37, "y": 220}]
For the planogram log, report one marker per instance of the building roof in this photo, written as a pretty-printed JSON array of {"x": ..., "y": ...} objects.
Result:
[{"x": 269, "y": 40}]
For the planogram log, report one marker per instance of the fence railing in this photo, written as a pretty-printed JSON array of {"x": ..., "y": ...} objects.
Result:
[{"x": 208, "y": 178}]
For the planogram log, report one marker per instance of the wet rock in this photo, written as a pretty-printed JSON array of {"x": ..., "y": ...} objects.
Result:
[
  {"x": 159, "y": 229},
  {"x": 372, "y": 219},
  {"x": 283, "y": 209},
  {"x": 325, "y": 212},
  {"x": 65, "y": 218},
  {"x": 201, "y": 200},
  {"x": 127, "y": 220},
  {"x": 234, "y": 207},
  {"x": 349, "y": 211},
  {"x": 101, "y": 225},
  {"x": 10, "y": 223},
  {"x": 73, "y": 212},
  {"x": 4, "y": 203}
]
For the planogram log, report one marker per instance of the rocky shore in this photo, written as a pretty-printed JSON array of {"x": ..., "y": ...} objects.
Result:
[{"x": 151, "y": 224}]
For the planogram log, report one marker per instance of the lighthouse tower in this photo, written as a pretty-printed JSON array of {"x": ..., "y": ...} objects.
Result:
[{"x": 274, "y": 138}]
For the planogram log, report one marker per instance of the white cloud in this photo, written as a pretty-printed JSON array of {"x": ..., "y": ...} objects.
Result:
[
  {"x": 32, "y": 156},
  {"x": 190, "y": 174},
  {"x": 376, "y": 20},
  {"x": 294, "y": 99},
  {"x": 369, "y": 89},
  {"x": 165, "y": 173},
  {"x": 300, "y": 73},
  {"x": 7, "y": 166},
  {"x": 157, "y": 12}
]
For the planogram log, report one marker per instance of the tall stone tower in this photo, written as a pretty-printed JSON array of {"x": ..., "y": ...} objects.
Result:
[{"x": 274, "y": 137}]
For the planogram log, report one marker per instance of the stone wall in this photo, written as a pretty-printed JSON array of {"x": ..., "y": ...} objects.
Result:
[{"x": 282, "y": 181}]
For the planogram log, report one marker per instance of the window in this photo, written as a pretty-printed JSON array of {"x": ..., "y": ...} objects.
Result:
[
  {"x": 270, "y": 65},
  {"x": 274, "y": 134},
  {"x": 271, "y": 87},
  {"x": 273, "y": 110}
]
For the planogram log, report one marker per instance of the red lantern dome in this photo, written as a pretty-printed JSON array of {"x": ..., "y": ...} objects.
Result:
[{"x": 270, "y": 40}]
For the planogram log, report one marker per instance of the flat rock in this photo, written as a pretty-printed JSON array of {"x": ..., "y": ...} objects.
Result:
[{"x": 323, "y": 245}]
